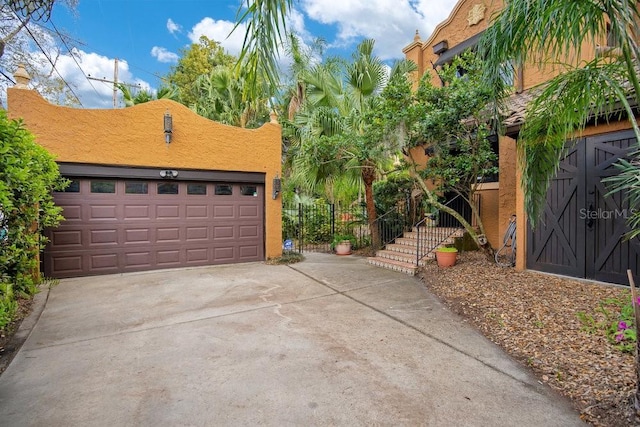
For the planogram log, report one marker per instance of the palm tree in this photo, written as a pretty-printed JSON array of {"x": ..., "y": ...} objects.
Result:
[
  {"x": 332, "y": 127},
  {"x": 553, "y": 32},
  {"x": 219, "y": 97},
  {"x": 143, "y": 96},
  {"x": 302, "y": 59}
]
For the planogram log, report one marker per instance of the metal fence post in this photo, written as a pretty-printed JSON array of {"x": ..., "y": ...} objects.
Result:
[
  {"x": 332, "y": 210},
  {"x": 300, "y": 227}
]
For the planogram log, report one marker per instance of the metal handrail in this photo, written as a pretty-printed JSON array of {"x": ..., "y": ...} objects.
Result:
[
  {"x": 396, "y": 228},
  {"x": 444, "y": 233}
]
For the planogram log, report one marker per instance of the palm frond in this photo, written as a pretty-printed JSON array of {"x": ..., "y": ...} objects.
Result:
[
  {"x": 266, "y": 27},
  {"x": 561, "y": 111}
]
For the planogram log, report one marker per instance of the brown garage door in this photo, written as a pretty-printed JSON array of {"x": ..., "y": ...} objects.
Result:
[{"x": 114, "y": 226}]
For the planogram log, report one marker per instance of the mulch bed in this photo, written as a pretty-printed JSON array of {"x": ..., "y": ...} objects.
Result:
[{"x": 534, "y": 318}]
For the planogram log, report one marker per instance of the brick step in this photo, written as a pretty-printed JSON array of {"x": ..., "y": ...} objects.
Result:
[
  {"x": 401, "y": 254},
  {"x": 404, "y": 249},
  {"x": 390, "y": 264},
  {"x": 403, "y": 257},
  {"x": 430, "y": 242},
  {"x": 435, "y": 232}
]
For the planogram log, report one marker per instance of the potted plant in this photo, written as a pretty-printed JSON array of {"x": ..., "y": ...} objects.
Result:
[
  {"x": 342, "y": 244},
  {"x": 446, "y": 256}
]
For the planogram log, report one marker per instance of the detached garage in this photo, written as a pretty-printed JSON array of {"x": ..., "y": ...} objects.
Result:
[{"x": 140, "y": 198}]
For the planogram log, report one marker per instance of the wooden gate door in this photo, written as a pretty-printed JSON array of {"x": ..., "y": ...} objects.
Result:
[
  {"x": 581, "y": 233},
  {"x": 608, "y": 253},
  {"x": 555, "y": 245}
]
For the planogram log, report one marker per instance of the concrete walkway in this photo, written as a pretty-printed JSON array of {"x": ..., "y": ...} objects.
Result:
[{"x": 329, "y": 341}]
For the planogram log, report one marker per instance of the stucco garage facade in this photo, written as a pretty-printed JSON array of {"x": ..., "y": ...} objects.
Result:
[{"x": 137, "y": 202}]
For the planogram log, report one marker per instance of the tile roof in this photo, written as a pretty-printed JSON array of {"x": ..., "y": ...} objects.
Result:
[{"x": 514, "y": 109}]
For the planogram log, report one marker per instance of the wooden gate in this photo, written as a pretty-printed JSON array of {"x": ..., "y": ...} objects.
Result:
[{"x": 581, "y": 232}]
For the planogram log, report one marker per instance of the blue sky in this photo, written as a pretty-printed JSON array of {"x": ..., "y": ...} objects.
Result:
[{"x": 146, "y": 35}]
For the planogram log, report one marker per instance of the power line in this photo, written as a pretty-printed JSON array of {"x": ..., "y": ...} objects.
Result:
[
  {"x": 88, "y": 77},
  {"x": 73, "y": 56},
  {"x": 7, "y": 77},
  {"x": 114, "y": 81},
  {"x": 50, "y": 61}
]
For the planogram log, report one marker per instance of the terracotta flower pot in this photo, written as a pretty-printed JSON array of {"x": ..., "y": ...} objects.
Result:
[
  {"x": 446, "y": 258},
  {"x": 343, "y": 248}
]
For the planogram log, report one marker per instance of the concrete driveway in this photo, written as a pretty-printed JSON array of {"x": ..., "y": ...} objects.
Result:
[{"x": 331, "y": 341}]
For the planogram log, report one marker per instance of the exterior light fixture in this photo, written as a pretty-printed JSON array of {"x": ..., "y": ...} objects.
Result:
[
  {"x": 168, "y": 173},
  {"x": 168, "y": 127},
  {"x": 441, "y": 47},
  {"x": 277, "y": 187}
]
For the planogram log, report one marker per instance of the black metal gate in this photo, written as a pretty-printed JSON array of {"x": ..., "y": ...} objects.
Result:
[
  {"x": 581, "y": 232},
  {"x": 312, "y": 227}
]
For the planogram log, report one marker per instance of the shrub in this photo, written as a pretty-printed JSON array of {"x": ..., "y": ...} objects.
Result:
[
  {"x": 8, "y": 304},
  {"x": 28, "y": 175},
  {"x": 615, "y": 319}
]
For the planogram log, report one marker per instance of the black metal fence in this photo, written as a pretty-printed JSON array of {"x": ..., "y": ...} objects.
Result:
[{"x": 312, "y": 227}]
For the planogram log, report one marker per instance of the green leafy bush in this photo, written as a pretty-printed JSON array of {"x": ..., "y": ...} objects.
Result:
[
  {"x": 8, "y": 304},
  {"x": 28, "y": 175},
  {"x": 614, "y": 318},
  {"x": 391, "y": 191}
]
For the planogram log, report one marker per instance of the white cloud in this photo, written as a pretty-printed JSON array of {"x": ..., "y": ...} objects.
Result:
[
  {"x": 220, "y": 32},
  {"x": 93, "y": 93},
  {"x": 295, "y": 23},
  {"x": 173, "y": 27},
  {"x": 392, "y": 23},
  {"x": 163, "y": 55}
]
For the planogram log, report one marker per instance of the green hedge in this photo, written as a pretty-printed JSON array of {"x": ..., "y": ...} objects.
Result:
[{"x": 28, "y": 175}]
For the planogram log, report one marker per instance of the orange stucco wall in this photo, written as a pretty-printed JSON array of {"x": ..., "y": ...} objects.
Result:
[
  {"x": 460, "y": 26},
  {"x": 454, "y": 30},
  {"x": 490, "y": 213},
  {"x": 134, "y": 136},
  {"x": 508, "y": 160}
]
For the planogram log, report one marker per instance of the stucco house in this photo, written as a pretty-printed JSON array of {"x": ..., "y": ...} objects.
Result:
[
  {"x": 155, "y": 186},
  {"x": 581, "y": 231}
]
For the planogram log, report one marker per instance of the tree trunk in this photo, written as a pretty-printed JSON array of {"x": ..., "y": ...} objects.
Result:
[
  {"x": 484, "y": 246},
  {"x": 368, "y": 177}
]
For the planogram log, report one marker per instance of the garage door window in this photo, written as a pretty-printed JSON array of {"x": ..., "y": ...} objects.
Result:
[
  {"x": 224, "y": 190},
  {"x": 103, "y": 186},
  {"x": 168, "y": 188},
  {"x": 249, "y": 190},
  {"x": 197, "y": 189},
  {"x": 136, "y": 188},
  {"x": 74, "y": 187}
]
